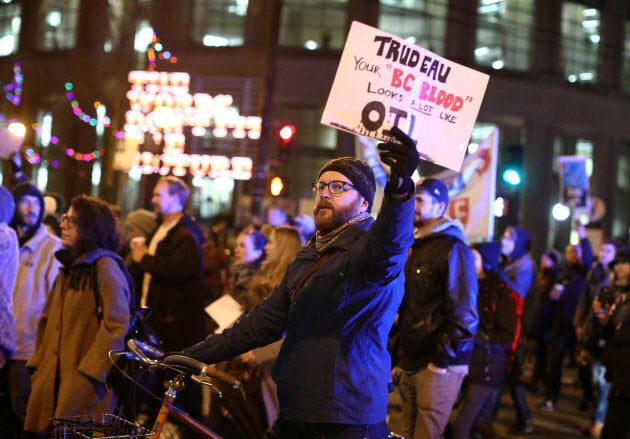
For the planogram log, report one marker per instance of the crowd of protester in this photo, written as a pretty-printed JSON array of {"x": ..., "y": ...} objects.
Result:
[{"x": 466, "y": 314}]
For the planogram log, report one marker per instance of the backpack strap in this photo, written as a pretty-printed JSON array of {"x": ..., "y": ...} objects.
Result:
[{"x": 97, "y": 295}]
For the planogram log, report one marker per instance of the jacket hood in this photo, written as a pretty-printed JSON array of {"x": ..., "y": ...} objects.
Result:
[
  {"x": 446, "y": 225},
  {"x": 521, "y": 242}
]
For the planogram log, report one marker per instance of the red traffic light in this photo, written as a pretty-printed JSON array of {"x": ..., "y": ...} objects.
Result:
[{"x": 286, "y": 133}]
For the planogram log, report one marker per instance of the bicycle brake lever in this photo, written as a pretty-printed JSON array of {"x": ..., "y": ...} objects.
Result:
[{"x": 205, "y": 380}]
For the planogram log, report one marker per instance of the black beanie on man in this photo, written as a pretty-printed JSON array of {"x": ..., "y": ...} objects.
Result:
[
  {"x": 358, "y": 172},
  {"x": 19, "y": 191}
]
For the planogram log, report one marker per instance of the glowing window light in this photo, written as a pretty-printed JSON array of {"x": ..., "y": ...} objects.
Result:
[{"x": 498, "y": 207}]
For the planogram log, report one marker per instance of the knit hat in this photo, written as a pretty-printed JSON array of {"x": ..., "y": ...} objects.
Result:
[
  {"x": 23, "y": 189},
  {"x": 622, "y": 255},
  {"x": 358, "y": 172},
  {"x": 142, "y": 219},
  {"x": 490, "y": 253},
  {"x": 434, "y": 187},
  {"x": 7, "y": 205},
  {"x": 553, "y": 255}
]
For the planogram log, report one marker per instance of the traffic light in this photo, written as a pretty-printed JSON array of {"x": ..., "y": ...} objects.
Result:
[
  {"x": 513, "y": 165},
  {"x": 278, "y": 186},
  {"x": 285, "y": 135}
]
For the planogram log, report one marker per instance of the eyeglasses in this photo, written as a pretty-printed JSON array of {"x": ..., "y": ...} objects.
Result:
[
  {"x": 72, "y": 220},
  {"x": 335, "y": 187}
]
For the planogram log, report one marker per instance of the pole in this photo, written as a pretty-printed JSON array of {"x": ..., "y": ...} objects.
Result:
[{"x": 267, "y": 116}]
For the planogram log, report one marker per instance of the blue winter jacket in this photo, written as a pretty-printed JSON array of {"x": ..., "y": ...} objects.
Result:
[{"x": 334, "y": 366}]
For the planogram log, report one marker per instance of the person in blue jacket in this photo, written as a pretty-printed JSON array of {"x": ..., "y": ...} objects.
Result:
[{"x": 336, "y": 304}]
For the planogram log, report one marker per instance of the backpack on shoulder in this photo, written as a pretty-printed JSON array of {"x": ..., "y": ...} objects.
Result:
[{"x": 126, "y": 372}]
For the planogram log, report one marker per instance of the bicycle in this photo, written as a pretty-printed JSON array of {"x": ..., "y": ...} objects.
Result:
[{"x": 111, "y": 426}]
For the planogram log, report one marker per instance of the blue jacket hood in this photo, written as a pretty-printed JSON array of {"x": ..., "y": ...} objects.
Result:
[{"x": 521, "y": 242}]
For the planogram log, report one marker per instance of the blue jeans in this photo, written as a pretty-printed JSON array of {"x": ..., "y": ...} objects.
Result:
[
  {"x": 475, "y": 409},
  {"x": 603, "y": 386},
  {"x": 427, "y": 399}
]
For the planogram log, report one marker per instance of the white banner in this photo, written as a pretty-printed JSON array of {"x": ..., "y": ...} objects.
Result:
[
  {"x": 384, "y": 81},
  {"x": 473, "y": 190}
]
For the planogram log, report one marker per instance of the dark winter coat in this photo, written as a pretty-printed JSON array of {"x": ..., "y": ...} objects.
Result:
[
  {"x": 573, "y": 277},
  {"x": 438, "y": 317},
  {"x": 616, "y": 355},
  {"x": 176, "y": 290},
  {"x": 497, "y": 326},
  {"x": 334, "y": 366}
]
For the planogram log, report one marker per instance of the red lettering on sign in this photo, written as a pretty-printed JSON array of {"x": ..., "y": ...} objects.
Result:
[{"x": 459, "y": 209}]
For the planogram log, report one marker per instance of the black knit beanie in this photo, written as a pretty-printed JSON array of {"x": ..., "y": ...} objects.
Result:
[
  {"x": 358, "y": 172},
  {"x": 21, "y": 190}
]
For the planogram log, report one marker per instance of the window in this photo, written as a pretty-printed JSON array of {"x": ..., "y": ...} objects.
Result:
[
  {"x": 313, "y": 24},
  {"x": 580, "y": 42},
  {"x": 420, "y": 22},
  {"x": 218, "y": 23},
  {"x": 503, "y": 33},
  {"x": 10, "y": 22},
  {"x": 57, "y": 24}
]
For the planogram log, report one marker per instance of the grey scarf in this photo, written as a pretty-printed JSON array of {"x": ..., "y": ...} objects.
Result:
[{"x": 323, "y": 242}]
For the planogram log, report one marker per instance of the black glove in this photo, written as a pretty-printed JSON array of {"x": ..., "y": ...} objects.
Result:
[
  {"x": 402, "y": 159},
  {"x": 15, "y": 162}
]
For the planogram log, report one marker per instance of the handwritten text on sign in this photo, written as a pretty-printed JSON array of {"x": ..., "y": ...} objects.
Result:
[{"x": 384, "y": 81}]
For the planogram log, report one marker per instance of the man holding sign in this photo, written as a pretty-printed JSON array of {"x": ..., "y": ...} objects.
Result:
[
  {"x": 385, "y": 81},
  {"x": 336, "y": 305}
]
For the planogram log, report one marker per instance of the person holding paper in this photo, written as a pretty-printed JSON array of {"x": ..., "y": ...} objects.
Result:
[
  {"x": 172, "y": 284},
  {"x": 336, "y": 304}
]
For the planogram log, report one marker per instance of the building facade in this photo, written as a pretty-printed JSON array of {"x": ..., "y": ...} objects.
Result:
[{"x": 559, "y": 85}]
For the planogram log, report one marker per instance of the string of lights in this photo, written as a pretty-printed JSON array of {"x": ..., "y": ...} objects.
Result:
[
  {"x": 13, "y": 93},
  {"x": 13, "y": 90},
  {"x": 78, "y": 111},
  {"x": 156, "y": 48}
]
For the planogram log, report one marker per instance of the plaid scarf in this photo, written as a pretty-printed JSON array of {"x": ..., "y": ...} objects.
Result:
[{"x": 325, "y": 241}]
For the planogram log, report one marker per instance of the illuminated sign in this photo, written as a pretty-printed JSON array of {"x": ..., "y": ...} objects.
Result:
[
  {"x": 161, "y": 106},
  {"x": 199, "y": 165}
]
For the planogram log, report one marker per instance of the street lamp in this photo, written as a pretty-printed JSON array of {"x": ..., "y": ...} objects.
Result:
[{"x": 560, "y": 212}]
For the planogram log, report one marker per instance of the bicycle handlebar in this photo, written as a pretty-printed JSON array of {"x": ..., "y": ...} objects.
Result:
[
  {"x": 200, "y": 368},
  {"x": 155, "y": 357}
]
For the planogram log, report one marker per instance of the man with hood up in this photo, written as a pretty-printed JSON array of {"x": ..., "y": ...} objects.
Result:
[
  {"x": 518, "y": 267},
  {"x": 37, "y": 270},
  {"x": 438, "y": 317}
]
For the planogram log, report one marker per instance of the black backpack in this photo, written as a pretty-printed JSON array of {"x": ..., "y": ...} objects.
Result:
[{"x": 124, "y": 368}]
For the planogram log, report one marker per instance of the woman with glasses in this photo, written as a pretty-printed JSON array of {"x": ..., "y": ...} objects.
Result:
[{"x": 71, "y": 364}]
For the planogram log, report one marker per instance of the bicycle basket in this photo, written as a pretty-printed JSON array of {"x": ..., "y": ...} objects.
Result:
[{"x": 103, "y": 426}]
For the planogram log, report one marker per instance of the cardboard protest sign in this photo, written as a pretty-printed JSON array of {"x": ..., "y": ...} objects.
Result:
[{"x": 384, "y": 81}]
